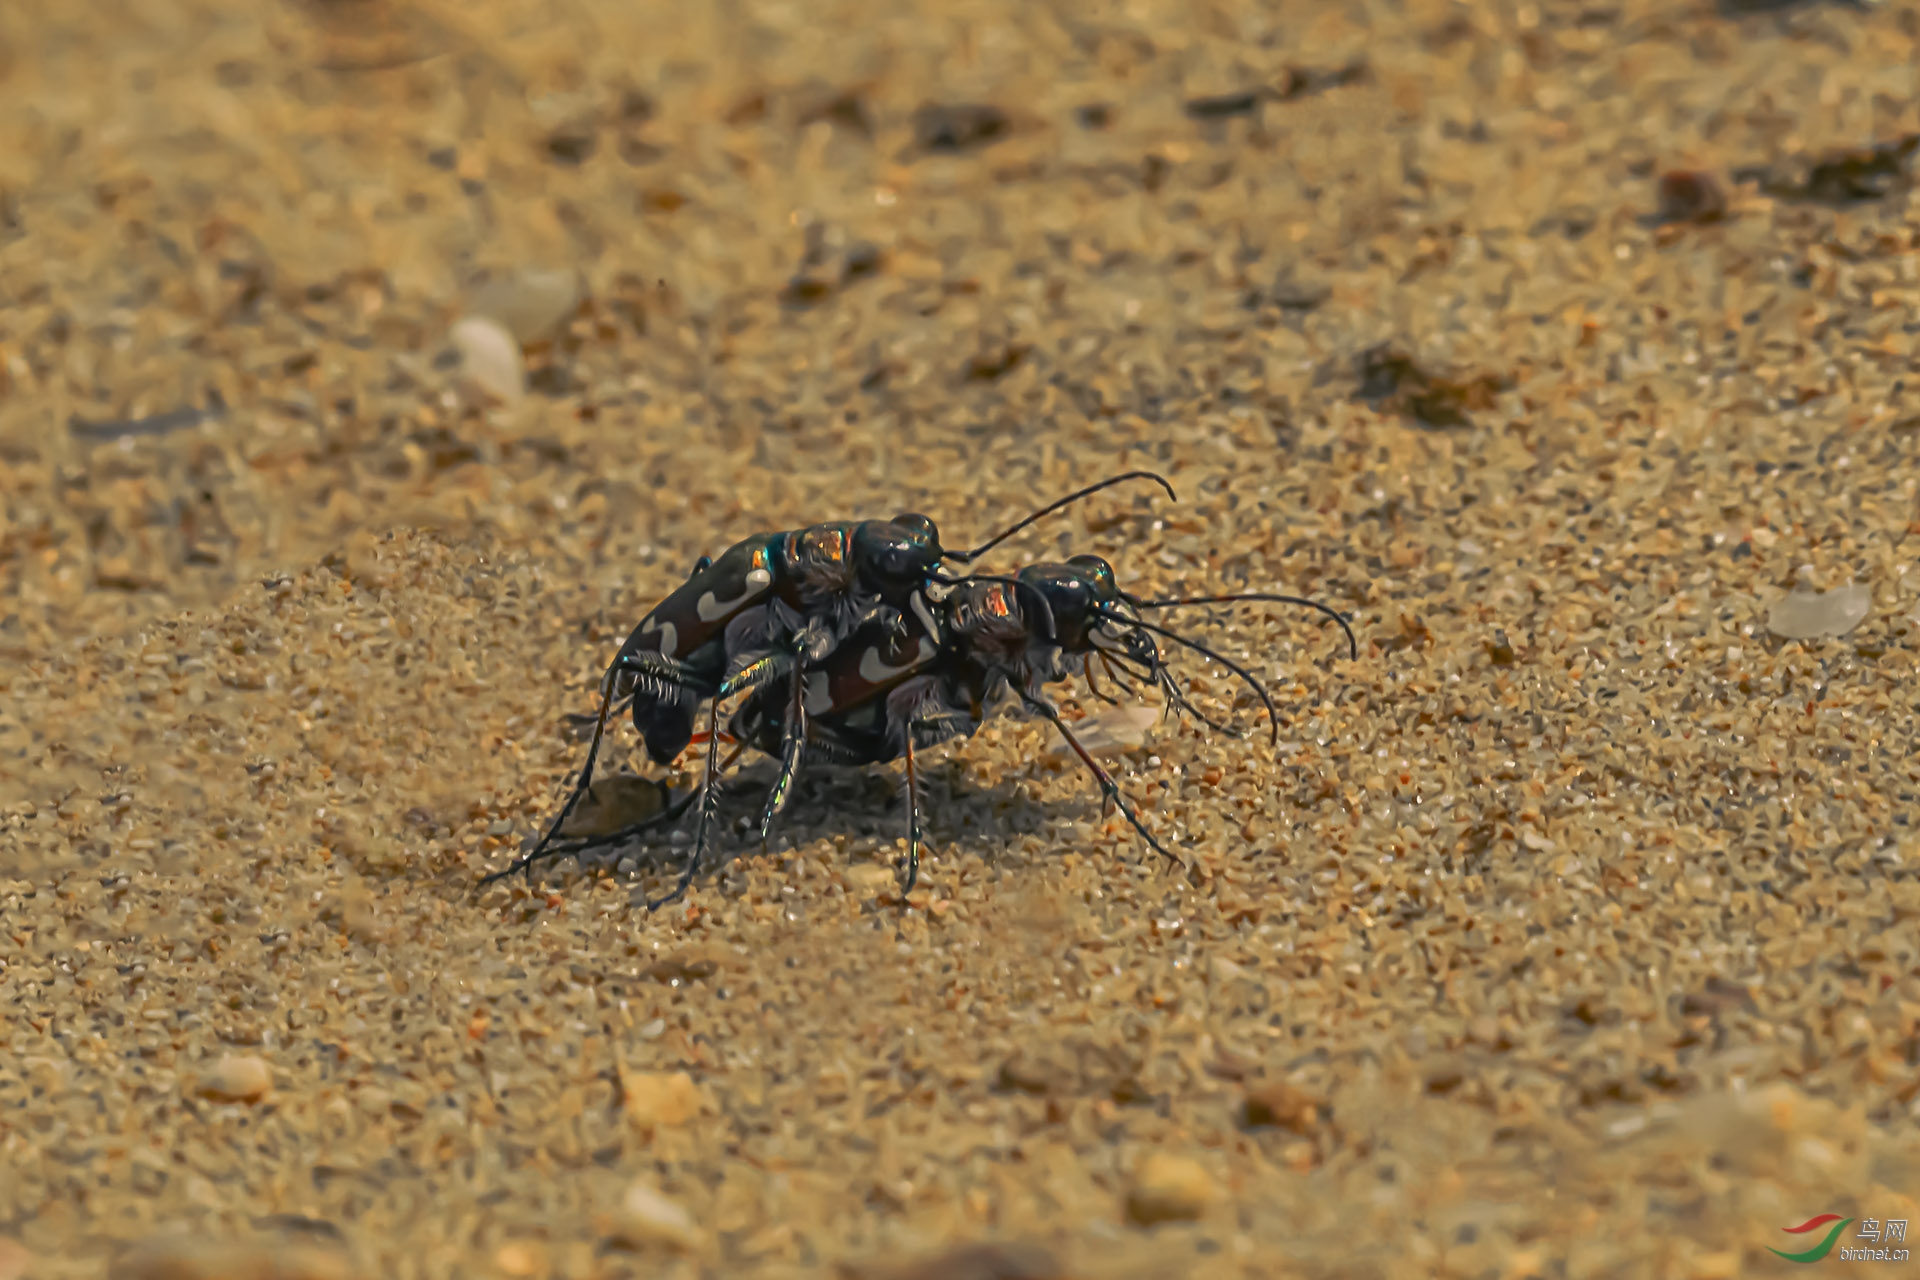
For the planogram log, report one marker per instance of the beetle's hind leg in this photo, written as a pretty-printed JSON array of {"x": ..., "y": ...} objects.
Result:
[
  {"x": 525, "y": 861},
  {"x": 913, "y": 821}
]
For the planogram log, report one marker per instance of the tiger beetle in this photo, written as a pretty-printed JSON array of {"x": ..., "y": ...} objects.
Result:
[
  {"x": 770, "y": 603},
  {"x": 884, "y": 695}
]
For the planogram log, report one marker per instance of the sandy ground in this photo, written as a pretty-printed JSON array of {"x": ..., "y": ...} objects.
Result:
[{"x": 1571, "y": 931}]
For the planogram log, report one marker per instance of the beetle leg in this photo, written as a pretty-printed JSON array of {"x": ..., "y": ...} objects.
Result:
[
  {"x": 793, "y": 741},
  {"x": 757, "y": 672},
  {"x": 913, "y": 821},
  {"x": 709, "y": 791},
  {"x": 1108, "y": 787},
  {"x": 1093, "y": 686},
  {"x": 525, "y": 861},
  {"x": 671, "y": 694}
]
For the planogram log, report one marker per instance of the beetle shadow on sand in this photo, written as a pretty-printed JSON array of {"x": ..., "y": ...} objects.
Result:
[{"x": 865, "y": 805}]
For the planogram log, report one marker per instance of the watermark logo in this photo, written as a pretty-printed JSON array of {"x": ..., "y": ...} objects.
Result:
[
  {"x": 1820, "y": 1250},
  {"x": 1877, "y": 1238}
]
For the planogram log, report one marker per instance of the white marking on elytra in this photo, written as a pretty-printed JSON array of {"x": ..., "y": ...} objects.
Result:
[
  {"x": 712, "y": 609},
  {"x": 669, "y": 637},
  {"x": 920, "y": 611},
  {"x": 874, "y": 671},
  {"x": 819, "y": 694}
]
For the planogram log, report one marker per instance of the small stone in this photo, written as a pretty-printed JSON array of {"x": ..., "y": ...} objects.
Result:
[
  {"x": 958, "y": 126},
  {"x": 991, "y": 1261},
  {"x": 682, "y": 969},
  {"x": 490, "y": 361},
  {"x": 235, "y": 1079},
  {"x": 1226, "y": 971},
  {"x": 1804, "y": 614},
  {"x": 614, "y": 803},
  {"x": 1168, "y": 1188},
  {"x": 647, "y": 1217},
  {"x": 1024, "y": 1074},
  {"x": 1295, "y": 291},
  {"x": 1690, "y": 196},
  {"x": 870, "y": 877},
  {"x": 528, "y": 304},
  {"x": 661, "y": 1098},
  {"x": 184, "y": 1257},
  {"x": 1277, "y": 1104},
  {"x": 519, "y": 1258},
  {"x": 1723, "y": 1265},
  {"x": 1718, "y": 996}
]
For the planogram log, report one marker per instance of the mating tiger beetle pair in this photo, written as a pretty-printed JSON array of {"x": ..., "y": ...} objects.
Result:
[{"x": 853, "y": 647}]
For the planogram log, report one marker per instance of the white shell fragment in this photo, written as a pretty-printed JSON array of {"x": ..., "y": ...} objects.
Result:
[
  {"x": 1808, "y": 615},
  {"x": 490, "y": 361},
  {"x": 1111, "y": 731},
  {"x": 648, "y": 1218}
]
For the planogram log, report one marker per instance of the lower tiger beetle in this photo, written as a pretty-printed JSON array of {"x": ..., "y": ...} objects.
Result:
[
  {"x": 770, "y": 604},
  {"x": 875, "y": 700}
]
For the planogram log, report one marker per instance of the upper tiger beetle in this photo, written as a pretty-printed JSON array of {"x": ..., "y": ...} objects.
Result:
[
  {"x": 883, "y": 695},
  {"x": 770, "y": 603}
]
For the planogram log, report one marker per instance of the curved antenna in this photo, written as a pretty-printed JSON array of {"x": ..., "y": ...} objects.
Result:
[
  {"x": 968, "y": 557},
  {"x": 1353, "y": 645},
  {"x": 1273, "y": 716}
]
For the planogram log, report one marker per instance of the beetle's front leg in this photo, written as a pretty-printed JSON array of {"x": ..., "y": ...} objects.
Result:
[{"x": 792, "y": 744}]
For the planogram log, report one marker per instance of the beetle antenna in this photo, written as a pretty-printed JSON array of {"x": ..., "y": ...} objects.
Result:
[
  {"x": 967, "y": 557},
  {"x": 1273, "y": 716},
  {"x": 1353, "y": 645}
]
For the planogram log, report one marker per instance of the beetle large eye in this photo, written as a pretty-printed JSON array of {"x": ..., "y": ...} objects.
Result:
[
  {"x": 921, "y": 526},
  {"x": 1094, "y": 567}
]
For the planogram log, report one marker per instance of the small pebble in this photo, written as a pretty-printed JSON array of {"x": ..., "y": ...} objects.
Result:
[
  {"x": 613, "y": 803},
  {"x": 1023, "y": 1073},
  {"x": 1690, "y": 196},
  {"x": 870, "y": 877},
  {"x": 519, "y": 1258},
  {"x": 186, "y": 1257},
  {"x": 235, "y": 1079},
  {"x": 1804, "y": 614},
  {"x": 661, "y": 1098},
  {"x": 1168, "y": 1188},
  {"x": 1277, "y": 1104},
  {"x": 647, "y": 1217},
  {"x": 490, "y": 360},
  {"x": 1723, "y": 1265},
  {"x": 992, "y": 1261}
]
